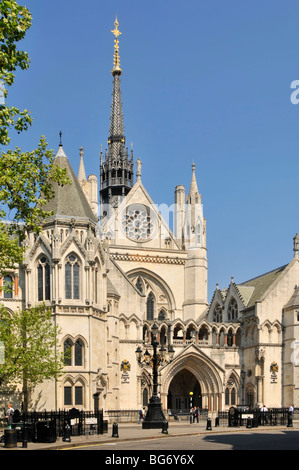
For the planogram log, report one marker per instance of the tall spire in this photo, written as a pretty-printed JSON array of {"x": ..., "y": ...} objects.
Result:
[
  {"x": 117, "y": 169},
  {"x": 117, "y": 134}
]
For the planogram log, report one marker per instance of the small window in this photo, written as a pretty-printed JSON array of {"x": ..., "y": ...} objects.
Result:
[
  {"x": 79, "y": 395},
  {"x": 43, "y": 279},
  {"x": 68, "y": 396},
  {"x": 78, "y": 353},
  {"x": 150, "y": 307},
  {"x": 232, "y": 311},
  {"x": 67, "y": 349},
  {"x": 8, "y": 287}
]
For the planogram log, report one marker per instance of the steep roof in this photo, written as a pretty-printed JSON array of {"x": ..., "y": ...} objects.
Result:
[
  {"x": 69, "y": 200},
  {"x": 259, "y": 285}
]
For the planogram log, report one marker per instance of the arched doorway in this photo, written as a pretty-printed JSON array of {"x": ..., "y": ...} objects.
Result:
[
  {"x": 179, "y": 397},
  {"x": 192, "y": 371}
]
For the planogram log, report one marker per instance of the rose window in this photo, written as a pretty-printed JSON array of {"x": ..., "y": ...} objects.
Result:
[{"x": 137, "y": 223}]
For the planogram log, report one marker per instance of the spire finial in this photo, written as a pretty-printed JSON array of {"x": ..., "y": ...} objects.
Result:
[
  {"x": 138, "y": 173},
  {"x": 116, "y": 62},
  {"x": 60, "y": 135},
  {"x": 296, "y": 245}
]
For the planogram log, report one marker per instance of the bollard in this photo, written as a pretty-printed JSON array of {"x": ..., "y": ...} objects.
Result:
[
  {"x": 25, "y": 436},
  {"x": 67, "y": 433},
  {"x": 115, "y": 430},
  {"x": 216, "y": 422},
  {"x": 249, "y": 423},
  {"x": 165, "y": 427},
  {"x": 209, "y": 425}
]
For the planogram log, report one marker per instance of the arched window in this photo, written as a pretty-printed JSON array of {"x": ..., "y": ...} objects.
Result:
[
  {"x": 227, "y": 396},
  {"x": 73, "y": 393},
  {"x": 73, "y": 352},
  {"x": 72, "y": 278},
  {"x": 145, "y": 397},
  {"x": 230, "y": 395},
  {"x": 150, "y": 307},
  {"x": 162, "y": 315},
  {"x": 43, "y": 279},
  {"x": 8, "y": 287},
  {"x": 67, "y": 351},
  {"x": 79, "y": 353},
  {"x": 232, "y": 311},
  {"x": 233, "y": 396},
  {"x": 217, "y": 314}
]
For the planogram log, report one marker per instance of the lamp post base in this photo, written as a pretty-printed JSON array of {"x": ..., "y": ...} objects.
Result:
[{"x": 154, "y": 417}]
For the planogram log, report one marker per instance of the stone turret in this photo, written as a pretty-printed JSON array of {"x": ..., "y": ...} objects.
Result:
[{"x": 194, "y": 241}]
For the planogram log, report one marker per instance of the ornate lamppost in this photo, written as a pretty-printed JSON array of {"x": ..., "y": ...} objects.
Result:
[{"x": 154, "y": 417}]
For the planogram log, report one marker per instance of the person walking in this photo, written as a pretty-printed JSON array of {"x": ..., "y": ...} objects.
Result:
[
  {"x": 191, "y": 415},
  {"x": 195, "y": 416},
  {"x": 9, "y": 415}
]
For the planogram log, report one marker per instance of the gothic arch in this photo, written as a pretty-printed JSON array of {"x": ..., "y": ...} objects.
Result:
[
  {"x": 208, "y": 374},
  {"x": 154, "y": 280}
]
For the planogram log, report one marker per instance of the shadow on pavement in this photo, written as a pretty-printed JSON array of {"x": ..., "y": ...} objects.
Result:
[{"x": 284, "y": 440}]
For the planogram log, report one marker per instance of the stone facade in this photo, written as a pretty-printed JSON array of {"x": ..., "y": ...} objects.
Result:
[{"x": 107, "y": 280}]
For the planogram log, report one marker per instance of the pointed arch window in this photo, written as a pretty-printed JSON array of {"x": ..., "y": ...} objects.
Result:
[
  {"x": 150, "y": 303},
  {"x": 8, "y": 287},
  {"x": 217, "y": 314},
  {"x": 232, "y": 311},
  {"x": 72, "y": 278},
  {"x": 43, "y": 279},
  {"x": 67, "y": 350},
  {"x": 73, "y": 352},
  {"x": 162, "y": 315},
  {"x": 79, "y": 353},
  {"x": 139, "y": 285},
  {"x": 73, "y": 393}
]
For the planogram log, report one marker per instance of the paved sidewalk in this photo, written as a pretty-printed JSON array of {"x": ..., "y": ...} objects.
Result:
[{"x": 131, "y": 431}]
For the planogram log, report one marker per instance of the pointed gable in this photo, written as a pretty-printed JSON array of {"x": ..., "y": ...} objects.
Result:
[{"x": 138, "y": 198}]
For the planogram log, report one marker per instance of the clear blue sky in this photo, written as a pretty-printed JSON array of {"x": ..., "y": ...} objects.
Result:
[{"x": 203, "y": 81}]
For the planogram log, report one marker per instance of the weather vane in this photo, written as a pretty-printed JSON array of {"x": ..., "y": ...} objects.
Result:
[{"x": 116, "y": 63}]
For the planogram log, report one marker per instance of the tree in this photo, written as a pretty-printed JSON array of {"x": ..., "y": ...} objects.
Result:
[
  {"x": 15, "y": 20},
  {"x": 25, "y": 177},
  {"x": 31, "y": 348}
]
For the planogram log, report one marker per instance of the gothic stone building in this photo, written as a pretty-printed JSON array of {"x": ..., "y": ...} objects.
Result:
[{"x": 110, "y": 268}]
